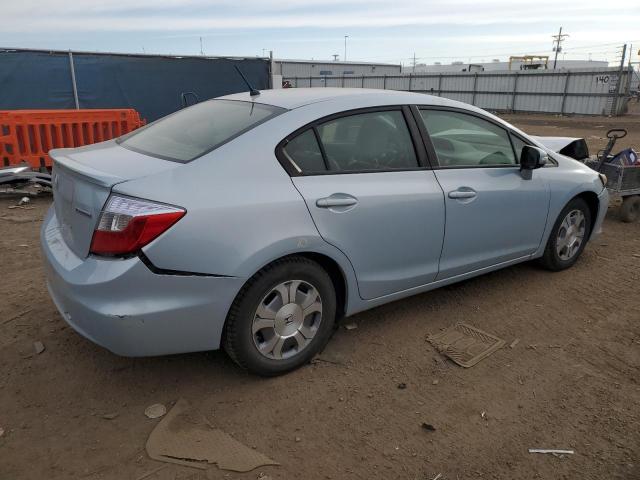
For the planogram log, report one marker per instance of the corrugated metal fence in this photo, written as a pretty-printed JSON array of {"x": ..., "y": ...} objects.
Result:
[{"x": 600, "y": 91}]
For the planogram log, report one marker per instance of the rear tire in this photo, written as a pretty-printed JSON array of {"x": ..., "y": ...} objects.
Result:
[
  {"x": 568, "y": 237},
  {"x": 630, "y": 210},
  {"x": 281, "y": 318}
]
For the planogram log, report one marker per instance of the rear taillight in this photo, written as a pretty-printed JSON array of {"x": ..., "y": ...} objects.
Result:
[{"x": 128, "y": 224}]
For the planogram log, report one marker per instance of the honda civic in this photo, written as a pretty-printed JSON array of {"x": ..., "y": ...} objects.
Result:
[{"x": 253, "y": 221}]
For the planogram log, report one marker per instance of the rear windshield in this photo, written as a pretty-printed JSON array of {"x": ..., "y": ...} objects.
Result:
[{"x": 194, "y": 131}]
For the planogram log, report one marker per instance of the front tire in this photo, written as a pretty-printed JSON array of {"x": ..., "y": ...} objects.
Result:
[
  {"x": 281, "y": 318},
  {"x": 568, "y": 237}
]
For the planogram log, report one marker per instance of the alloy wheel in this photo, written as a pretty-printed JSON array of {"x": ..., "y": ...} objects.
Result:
[
  {"x": 570, "y": 235},
  {"x": 287, "y": 319}
]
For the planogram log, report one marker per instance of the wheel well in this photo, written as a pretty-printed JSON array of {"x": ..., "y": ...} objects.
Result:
[
  {"x": 329, "y": 265},
  {"x": 594, "y": 204},
  {"x": 336, "y": 275}
]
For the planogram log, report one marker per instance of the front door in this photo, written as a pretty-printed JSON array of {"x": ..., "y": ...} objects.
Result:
[
  {"x": 493, "y": 214},
  {"x": 370, "y": 195}
]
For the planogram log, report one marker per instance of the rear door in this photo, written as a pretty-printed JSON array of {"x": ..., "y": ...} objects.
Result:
[
  {"x": 371, "y": 194},
  {"x": 494, "y": 215}
]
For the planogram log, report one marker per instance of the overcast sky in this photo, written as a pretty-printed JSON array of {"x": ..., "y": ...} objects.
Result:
[{"x": 379, "y": 30}]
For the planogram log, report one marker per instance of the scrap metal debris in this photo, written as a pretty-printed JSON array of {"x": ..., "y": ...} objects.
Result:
[
  {"x": 23, "y": 174},
  {"x": 156, "y": 410},
  {"x": 185, "y": 437},
  {"x": 464, "y": 344},
  {"x": 553, "y": 451},
  {"x": 514, "y": 343},
  {"x": 23, "y": 180}
]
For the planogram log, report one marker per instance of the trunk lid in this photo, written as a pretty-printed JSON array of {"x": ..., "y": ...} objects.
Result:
[{"x": 82, "y": 180}]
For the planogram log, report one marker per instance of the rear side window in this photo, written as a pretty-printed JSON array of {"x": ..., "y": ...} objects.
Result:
[
  {"x": 194, "y": 131},
  {"x": 304, "y": 153},
  {"x": 368, "y": 142},
  {"x": 462, "y": 140}
]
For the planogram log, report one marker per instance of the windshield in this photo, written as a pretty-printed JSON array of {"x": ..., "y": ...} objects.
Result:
[{"x": 194, "y": 131}]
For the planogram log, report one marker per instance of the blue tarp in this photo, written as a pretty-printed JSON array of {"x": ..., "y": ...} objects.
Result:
[{"x": 151, "y": 84}]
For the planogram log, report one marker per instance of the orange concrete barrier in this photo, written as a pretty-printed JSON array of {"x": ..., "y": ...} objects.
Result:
[{"x": 28, "y": 135}]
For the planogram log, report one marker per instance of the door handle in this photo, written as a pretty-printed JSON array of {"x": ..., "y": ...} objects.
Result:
[
  {"x": 460, "y": 194},
  {"x": 330, "y": 202}
]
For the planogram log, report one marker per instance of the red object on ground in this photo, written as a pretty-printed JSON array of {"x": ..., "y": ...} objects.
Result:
[{"x": 28, "y": 135}]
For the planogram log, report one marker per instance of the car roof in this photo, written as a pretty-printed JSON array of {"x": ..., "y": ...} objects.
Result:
[{"x": 291, "y": 98}]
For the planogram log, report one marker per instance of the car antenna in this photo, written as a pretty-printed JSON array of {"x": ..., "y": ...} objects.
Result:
[{"x": 252, "y": 91}]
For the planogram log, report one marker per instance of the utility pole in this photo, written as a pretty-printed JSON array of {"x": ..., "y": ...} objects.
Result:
[
  {"x": 624, "y": 55},
  {"x": 629, "y": 72},
  {"x": 201, "y": 50},
  {"x": 345, "y": 47},
  {"x": 614, "y": 110},
  {"x": 414, "y": 62},
  {"x": 558, "y": 39}
]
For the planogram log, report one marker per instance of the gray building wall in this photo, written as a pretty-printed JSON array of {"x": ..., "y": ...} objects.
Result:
[
  {"x": 302, "y": 68},
  {"x": 494, "y": 66}
]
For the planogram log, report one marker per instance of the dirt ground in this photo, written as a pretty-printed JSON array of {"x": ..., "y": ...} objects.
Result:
[
  {"x": 592, "y": 129},
  {"x": 572, "y": 381}
]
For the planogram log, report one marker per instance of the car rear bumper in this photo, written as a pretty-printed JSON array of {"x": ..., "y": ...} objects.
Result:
[{"x": 123, "y": 306}]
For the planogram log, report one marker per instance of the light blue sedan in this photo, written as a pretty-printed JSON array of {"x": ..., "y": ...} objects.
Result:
[{"x": 253, "y": 222}]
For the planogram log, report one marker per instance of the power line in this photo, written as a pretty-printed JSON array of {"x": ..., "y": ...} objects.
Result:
[
  {"x": 598, "y": 49},
  {"x": 616, "y": 44},
  {"x": 571, "y": 51}
]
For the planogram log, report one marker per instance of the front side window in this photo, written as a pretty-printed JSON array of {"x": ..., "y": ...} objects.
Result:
[
  {"x": 368, "y": 142},
  {"x": 194, "y": 131},
  {"x": 462, "y": 140},
  {"x": 518, "y": 145}
]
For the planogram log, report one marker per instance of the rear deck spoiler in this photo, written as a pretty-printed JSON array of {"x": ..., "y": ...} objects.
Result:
[{"x": 62, "y": 159}]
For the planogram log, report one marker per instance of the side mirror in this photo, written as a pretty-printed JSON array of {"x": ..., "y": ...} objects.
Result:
[{"x": 532, "y": 158}]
